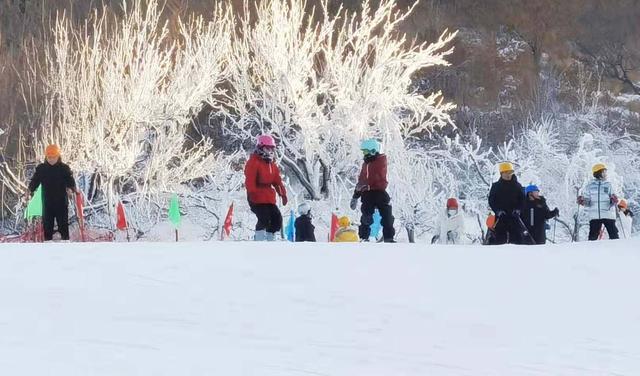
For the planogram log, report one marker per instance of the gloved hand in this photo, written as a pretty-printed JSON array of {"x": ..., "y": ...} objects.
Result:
[
  {"x": 353, "y": 204},
  {"x": 500, "y": 214},
  {"x": 362, "y": 188},
  {"x": 614, "y": 199},
  {"x": 581, "y": 200},
  {"x": 556, "y": 212},
  {"x": 516, "y": 213},
  {"x": 285, "y": 200}
]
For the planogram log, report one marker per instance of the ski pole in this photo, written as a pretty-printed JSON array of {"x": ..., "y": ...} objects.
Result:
[
  {"x": 555, "y": 223},
  {"x": 524, "y": 230},
  {"x": 620, "y": 219}
]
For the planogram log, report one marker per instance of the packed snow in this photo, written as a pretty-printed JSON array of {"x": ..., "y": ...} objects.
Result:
[{"x": 244, "y": 308}]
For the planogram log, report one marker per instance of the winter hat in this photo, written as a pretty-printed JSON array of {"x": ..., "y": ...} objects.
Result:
[
  {"x": 452, "y": 203},
  {"x": 623, "y": 204},
  {"x": 304, "y": 208},
  {"x": 266, "y": 140},
  {"x": 344, "y": 221},
  {"x": 370, "y": 145},
  {"x": 531, "y": 188},
  {"x": 52, "y": 151},
  {"x": 505, "y": 167},
  {"x": 598, "y": 167}
]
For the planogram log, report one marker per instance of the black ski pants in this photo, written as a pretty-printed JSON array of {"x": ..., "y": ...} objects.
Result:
[
  {"x": 372, "y": 200},
  {"x": 596, "y": 224},
  {"x": 508, "y": 230},
  {"x": 58, "y": 214},
  {"x": 269, "y": 217}
]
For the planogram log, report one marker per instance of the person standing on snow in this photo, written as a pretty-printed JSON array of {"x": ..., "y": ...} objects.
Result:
[
  {"x": 626, "y": 219},
  {"x": 371, "y": 190},
  {"x": 57, "y": 185},
  {"x": 506, "y": 198},
  {"x": 600, "y": 203},
  {"x": 305, "y": 231},
  {"x": 263, "y": 182},
  {"x": 451, "y": 224},
  {"x": 535, "y": 214}
]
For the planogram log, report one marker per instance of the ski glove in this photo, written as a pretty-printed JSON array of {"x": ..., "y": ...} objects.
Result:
[
  {"x": 516, "y": 213},
  {"x": 500, "y": 214},
  {"x": 583, "y": 201},
  {"x": 614, "y": 199},
  {"x": 556, "y": 212},
  {"x": 353, "y": 204}
]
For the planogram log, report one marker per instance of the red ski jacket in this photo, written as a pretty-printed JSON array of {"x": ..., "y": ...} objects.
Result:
[
  {"x": 262, "y": 180},
  {"x": 373, "y": 176}
]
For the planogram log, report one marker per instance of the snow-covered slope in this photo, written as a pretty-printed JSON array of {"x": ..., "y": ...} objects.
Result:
[{"x": 319, "y": 309}]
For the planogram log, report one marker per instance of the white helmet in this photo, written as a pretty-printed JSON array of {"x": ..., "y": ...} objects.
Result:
[{"x": 304, "y": 208}]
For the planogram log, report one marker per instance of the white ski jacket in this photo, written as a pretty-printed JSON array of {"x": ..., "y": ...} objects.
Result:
[
  {"x": 452, "y": 229},
  {"x": 597, "y": 200}
]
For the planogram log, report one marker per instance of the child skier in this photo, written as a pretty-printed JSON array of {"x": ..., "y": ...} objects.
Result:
[
  {"x": 600, "y": 201},
  {"x": 506, "y": 199},
  {"x": 535, "y": 214},
  {"x": 626, "y": 219},
  {"x": 451, "y": 224},
  {"x": 263, "y": 181},
  {"x": 371, "y": 189},
  {"x": 305, "y": 231},
  {"x": 57, "y": 185},
  {"x": 345, "y": 233}
]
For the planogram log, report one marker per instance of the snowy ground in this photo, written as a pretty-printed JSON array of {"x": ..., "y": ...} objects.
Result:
[{"x": 281, "y": 309}]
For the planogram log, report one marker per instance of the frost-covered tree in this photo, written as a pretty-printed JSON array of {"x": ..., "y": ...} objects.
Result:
[
  {"x": 321, "y": 82},
  {"x": 120, "y": 96}
]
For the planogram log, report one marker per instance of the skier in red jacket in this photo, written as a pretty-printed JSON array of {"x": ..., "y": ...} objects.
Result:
[
  {"x": 371, "y": 189},
  {"x": 263, "y": 181}
]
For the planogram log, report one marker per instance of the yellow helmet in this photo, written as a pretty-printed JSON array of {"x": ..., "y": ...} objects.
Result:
[
  {"x": 505, "y": 166},
  {"x": 344, "y": 221},
  {"x": 598, "y": 167}
]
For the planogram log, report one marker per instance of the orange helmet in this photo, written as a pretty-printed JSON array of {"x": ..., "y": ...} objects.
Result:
[
  {"x": 622, "y": 204},
  {"x": 52, "y": 151}
]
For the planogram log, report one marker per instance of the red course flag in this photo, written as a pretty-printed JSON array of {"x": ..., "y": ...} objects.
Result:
[
  {"x": 121, "y": 223},
  {"x": 228, "y": 223},
  {"x": 334, "y": 227}
]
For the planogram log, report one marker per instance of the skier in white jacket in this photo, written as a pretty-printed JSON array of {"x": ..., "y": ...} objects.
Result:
[
  {"x": 600, "y": 202},
  {"x": 451, "y": 224}
]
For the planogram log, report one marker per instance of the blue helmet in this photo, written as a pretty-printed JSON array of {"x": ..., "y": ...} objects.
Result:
[
  {"x": 531, "y": 188},
  {"x": 371, "y": 145}
]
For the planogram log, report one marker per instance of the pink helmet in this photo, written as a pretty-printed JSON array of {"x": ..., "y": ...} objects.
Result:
[{"x": 266, "y": 140}]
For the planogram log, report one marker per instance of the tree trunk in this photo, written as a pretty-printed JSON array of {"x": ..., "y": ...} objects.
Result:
[{"x": 411, "y": 234}]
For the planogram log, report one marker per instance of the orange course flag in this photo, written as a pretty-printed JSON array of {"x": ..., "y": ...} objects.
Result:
[
  {"x": 228, "y": 222},
  {"x": 334, "y": 227},
  {"x": 121, "y": 223}
]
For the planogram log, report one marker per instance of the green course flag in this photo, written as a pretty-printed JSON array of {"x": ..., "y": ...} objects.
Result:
[
  {"x": 34, "y": 207},
  {"x": 174, "y": 211}
]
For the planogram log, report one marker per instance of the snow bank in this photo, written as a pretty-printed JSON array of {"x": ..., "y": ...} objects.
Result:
[{"x": 239, "y": 308}]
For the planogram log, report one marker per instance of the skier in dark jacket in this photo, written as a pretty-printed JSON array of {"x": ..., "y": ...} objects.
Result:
[
  {"x": 535, "y": 214},
  {"x": 263, "y": 182},
  {"x": 371, "y": 190},
  {"x": 305, "y": 231},
  {"x": 506, "y": 199},
  {"x": 57, "y": 184}
]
